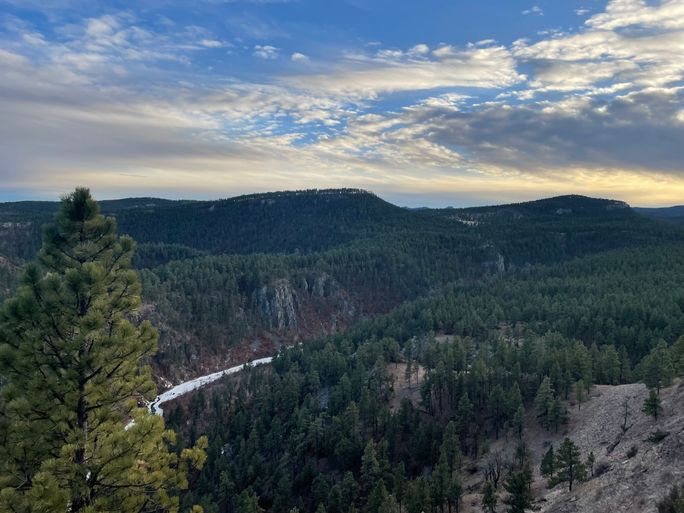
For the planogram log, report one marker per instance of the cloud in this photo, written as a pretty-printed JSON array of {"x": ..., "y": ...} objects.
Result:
[
  {"x": 213, "y": 43},
  {"x": 266, "y": 52},
  {"x": 299, "y": 57},
  {"x": 391, "y": 71},
  {"x": 630, "y": 42},
  {"x": 573, "y": 76},
  {"x": 666, "y": 14},
  {"x": 419, "y": 49},
  {"x": 535, "y": 9},
  {"x": 102, "y": 28},
  {"x": 636, "y": 131}
]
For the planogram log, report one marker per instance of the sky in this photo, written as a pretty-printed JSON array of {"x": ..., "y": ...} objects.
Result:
[{"x": 426, "y": 103}]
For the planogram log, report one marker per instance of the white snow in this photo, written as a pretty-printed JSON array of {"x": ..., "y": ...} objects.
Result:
[{"x": 194, "y": 384}]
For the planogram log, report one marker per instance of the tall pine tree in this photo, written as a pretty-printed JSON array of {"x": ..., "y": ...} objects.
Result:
[
  {"x": 569, "y": 466},
  {"x": 544, "y": 403},
  {"x": 73, "y": 362}
]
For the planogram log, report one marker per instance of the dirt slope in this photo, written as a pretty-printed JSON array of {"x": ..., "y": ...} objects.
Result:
[{"x": 626, "y": 484}]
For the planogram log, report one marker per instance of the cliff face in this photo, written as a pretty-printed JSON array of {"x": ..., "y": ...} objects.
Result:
[
  {"x": 310, "y": 304},
  {"x": 279, "y": 313},
  {"x": 278, "y": 304}
]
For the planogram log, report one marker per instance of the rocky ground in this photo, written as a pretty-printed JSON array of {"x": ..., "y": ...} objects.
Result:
[
  {"x": 402, "y": 389},
  {"x": 628, "y": 482}
]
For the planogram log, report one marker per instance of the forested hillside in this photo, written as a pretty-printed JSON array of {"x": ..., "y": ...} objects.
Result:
[
  {"x": 670, "y": 214},
  {"x": 401, "y": 410},
  {"x": 228, "y": 279}
]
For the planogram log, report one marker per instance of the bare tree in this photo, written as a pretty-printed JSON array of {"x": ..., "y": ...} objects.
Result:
[
  {"x": 626, "y": 414},
  {"x": 495, "y": 466}
]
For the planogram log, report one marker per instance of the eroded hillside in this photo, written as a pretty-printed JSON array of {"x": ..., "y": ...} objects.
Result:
[{"x": 634, "y": 469}]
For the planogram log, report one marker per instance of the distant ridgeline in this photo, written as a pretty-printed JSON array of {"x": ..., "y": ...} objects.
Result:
[
  {"x": 267, "y": 269},
  {"x": 313, "y": 220},
  {"x": 670, "y": 214}
]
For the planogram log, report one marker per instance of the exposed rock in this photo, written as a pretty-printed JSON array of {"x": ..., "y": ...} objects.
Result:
[
  {"x": 279, "y": 313},
  {"x": 616, "y": 205},
  {"x": 282, "y": 305},
  {"x": 626, "y": 484},
  {"x": 496, "y": 264},
  {"x": 278, "y": 304}
]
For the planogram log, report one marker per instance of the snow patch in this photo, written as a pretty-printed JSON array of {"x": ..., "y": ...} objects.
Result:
[{"x": 194, "y": 384}]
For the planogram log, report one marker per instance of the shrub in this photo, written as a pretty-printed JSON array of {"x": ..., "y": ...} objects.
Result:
[
  {"x": 673, "y": 502},
  {"x": 601, "y": 468},
  {"x": 658, "y": 436},
  {"x": 632, "y": 451}
]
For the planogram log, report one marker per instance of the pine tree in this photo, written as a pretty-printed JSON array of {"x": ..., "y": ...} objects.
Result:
[
  {"x": 408, "y": 372},
  {"x": 418, "y": 498},
  {"x": 652, "y": 404},
  {"x": 489, "y": 498},
  {"x": 557, "y": 414},
  {"x": 441, "y": 479},
  {"x": 514, "y": 400},
  {"x": 580, "y": 394},
  {"x": 376, "y": 497},
  {"x": 389, "y": 505},
  {"x": 519, "y": 497},
  {"x": 677, "y": 352},
  {"x": 519, "y": 421},
  {"x": 658, "y": 367},
  {"x": 248, "y": 502},
  {"x": 591, "y": 461},
  {"x": 547, "y": 467},
  {"x": 370, "y": 467},
  {"x": 349, "y": 488},
  {"x": 569, "y": 465},
  {"x": 625, "y": 366},
  {"x": 451, "y": 446},
  {"x": 464, "y": 412},
  {"x": 543, "y": 403},
  {"x": 498, "y": 407},
  {"x": 610, "y": 363},
  {"x": 74, "y": 365},
  {"x": 454, "y": 494}
]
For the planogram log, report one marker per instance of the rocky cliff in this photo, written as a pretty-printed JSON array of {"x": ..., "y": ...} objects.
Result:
[
  {"x": 303, "y": 303},
  {"x": 279, "y": 313}
]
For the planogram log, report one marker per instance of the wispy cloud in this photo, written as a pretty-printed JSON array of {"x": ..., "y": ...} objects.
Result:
[
  {"x": 387, "y": 71},
  {"x": 566, "y": 111},
  {"x": 266, "y": 52},
  {"x": 535, "y": 10}
]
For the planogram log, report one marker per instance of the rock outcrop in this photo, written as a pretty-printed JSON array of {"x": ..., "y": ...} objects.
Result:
[
  {"x": 278, "y": 305},
  {"x": 299, "y": 302}
]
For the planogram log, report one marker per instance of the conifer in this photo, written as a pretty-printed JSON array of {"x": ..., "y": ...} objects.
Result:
[{"x": 75, "y": 433}]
